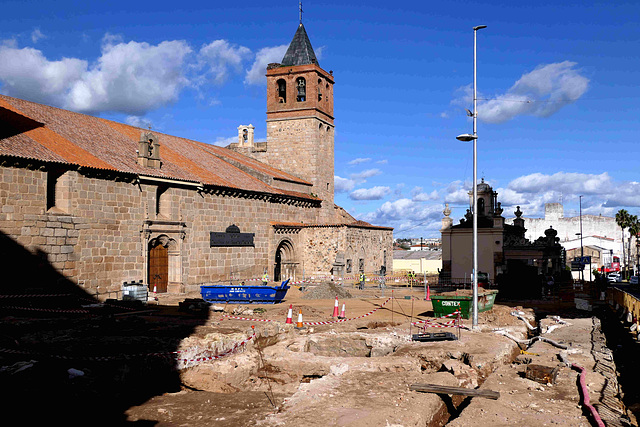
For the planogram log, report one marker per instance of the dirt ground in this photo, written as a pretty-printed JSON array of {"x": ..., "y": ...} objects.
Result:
[{"x": 352, "y": 373}]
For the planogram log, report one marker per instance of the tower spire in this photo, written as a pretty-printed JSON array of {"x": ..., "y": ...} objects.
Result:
[{"x": 300, "y": 8}]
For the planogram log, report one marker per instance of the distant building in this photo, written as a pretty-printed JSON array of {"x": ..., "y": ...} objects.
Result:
[
  {"x": 597, "y": 231},
  {"x": 503, "y": 249},
  {"x": 420, "y": 262}
]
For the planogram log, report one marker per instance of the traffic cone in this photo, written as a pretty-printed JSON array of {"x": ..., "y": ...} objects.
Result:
[
  {"x": 342, "y": 315},
  {"x": 428, "y": 293},
  {"x": 155, "y": 295},
  {"x": 289, "y": 320},
  {"x": 335, "y": 309},
  {"x": 299, "y": 325}
]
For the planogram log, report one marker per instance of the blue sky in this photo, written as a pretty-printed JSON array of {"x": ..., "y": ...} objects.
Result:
[{"x": 558, "y": 87}]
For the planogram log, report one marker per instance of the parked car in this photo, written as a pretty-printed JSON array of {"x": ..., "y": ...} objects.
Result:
[
  {"x": 614, "y": 277},
  {"x": 633, "y": 280}
]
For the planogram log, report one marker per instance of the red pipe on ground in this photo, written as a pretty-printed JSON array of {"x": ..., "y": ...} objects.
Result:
[{"x": 585, "y": 395}]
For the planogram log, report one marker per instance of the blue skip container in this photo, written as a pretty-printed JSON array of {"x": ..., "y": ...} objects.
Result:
[{"x": 247, "y": 294}]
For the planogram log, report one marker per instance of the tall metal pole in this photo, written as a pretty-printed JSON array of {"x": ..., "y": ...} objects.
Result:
[
  {"x": 581, "y": 247},
  {"x": 475, "y": 179}
]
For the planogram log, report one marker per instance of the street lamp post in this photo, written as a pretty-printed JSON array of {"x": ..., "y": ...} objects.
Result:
[{"x": 474, "y": 138}]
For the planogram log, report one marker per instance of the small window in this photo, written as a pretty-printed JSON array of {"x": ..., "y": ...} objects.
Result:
[
  {"x": 301, "y": 84},
  {"x": 361, "y": 264},
  {"x": 163, "y": 202},
  {"x": 348, "y": 266},
  {"x": 480, "y": 206},
  {"x": 58, "y": 191},
  {"x": 281, "y": 91},
  {"x": 319, "y": 89}
]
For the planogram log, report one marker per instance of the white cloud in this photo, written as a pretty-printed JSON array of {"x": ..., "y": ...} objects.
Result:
[
  {"x": 418, "y": 195},
  {"x": 223, "y": 142},
  {"x": 138, "y": 121},
  {"x": 256, "y": 74},
  {"x": 569, "y": 183},
  {"x": 374, "y": 193},
  {"x": 343, "y": 185},
  {"x": 361, "y": 177},
  {"x": 219, "y": 58},
  {"x": 36, "y": 35},
  {"x": 406, "y": 214},
  {"x": 26, "y": 73},
  {"x": 541, "y": 93},
  {"x": 382, "y": 162},
  {"x": 360, "y": 160},
  {"x": 128, "y": 77},
  {"x": 132, "y": 78}
]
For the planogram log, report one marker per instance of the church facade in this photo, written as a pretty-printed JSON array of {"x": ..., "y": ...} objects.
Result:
[
  {"x": 504, "y": 253},
  {"x": 104, "y": 203}
]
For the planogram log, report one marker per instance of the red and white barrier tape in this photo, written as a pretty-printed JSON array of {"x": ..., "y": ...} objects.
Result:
[
  {"x": 246, "y": 318},
  {"x": 46, "y": 310},
  {"x": 133, "y": 356},
  {"x": 346, "y": 320},
  {"x": 34, "y": 295},
  {"x": 449, "y": 324},
  {"x": 310, "y": 323}
]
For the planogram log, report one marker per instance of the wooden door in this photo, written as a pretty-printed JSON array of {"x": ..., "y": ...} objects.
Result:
[{"x": 159, "y": 269}]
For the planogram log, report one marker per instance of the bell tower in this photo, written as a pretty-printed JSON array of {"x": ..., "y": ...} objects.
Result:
[{"x": 300, "y": 129}]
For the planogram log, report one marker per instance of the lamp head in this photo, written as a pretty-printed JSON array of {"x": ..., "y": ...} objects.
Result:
[
  {"x": 466, "y": 137},
  {"x": 479, "y": 27}
]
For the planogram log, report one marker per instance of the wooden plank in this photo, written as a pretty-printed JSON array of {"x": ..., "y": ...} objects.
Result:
[{"x": 442, "y": 389}]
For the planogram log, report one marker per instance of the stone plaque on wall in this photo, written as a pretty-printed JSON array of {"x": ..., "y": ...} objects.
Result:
[{"x": 231, "y": 237}]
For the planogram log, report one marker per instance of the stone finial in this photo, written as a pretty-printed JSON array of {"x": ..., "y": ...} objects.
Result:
[
  {"x": 447, "y": 210},
  {"x": 498, "y": 211},
  {"x": 518, "y": 212}
]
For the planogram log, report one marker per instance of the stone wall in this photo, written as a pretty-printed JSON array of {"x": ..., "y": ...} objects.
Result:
[{"x": 101, "y": 239}]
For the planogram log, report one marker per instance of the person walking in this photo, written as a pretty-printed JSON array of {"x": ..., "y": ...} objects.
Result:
[
  {"x": 265, "y": 279},
  {"x": 362, "y": 279}
]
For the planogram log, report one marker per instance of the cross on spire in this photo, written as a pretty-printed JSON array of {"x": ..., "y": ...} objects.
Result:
[{"x": 300, "y": 7}]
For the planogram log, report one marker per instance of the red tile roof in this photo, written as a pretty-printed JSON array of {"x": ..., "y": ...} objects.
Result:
[
  {"x": 356, "y": 224},
  {"x": 41, "y": 132}
]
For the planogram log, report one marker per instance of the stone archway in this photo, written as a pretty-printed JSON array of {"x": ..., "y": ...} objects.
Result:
[
  {"x": 159, "y": 268},
  {"x": 284, "y": 263}
]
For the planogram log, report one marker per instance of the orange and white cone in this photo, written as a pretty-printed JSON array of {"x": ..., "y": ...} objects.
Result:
[
  {"x": 342, "y": 315},
  {"x": 335, "y": 309},
  {"x": 428, "y": 294},
  {"x": 290, "y": 314},
  {"x": 299, "y": 324}
]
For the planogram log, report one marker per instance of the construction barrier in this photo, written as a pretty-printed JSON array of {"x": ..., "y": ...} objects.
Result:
[{"x": 76, "y": 356}]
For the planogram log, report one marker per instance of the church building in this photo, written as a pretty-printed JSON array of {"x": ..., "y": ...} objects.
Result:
[
  {"x": 102, "y": 203},
  {"x": 503, "y": 250}
]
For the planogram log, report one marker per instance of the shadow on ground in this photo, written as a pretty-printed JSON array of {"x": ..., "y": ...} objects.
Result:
[{"x": 65, "y": 358}]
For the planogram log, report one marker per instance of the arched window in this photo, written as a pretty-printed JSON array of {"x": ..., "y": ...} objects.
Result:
[
  {"x": 281, "y": 91},
  {"x": 301, "y": 84},
  {"x": 480, "y": 206},
  {"x": 319, "y": 89}
]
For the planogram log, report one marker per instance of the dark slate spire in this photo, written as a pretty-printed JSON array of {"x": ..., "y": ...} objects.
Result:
[{"x": 300, "y": 51}]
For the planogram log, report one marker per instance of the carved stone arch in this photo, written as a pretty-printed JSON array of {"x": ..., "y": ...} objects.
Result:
[{"x": 285, "y": 260}]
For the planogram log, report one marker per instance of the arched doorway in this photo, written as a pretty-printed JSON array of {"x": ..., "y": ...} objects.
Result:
[
  {"x": 285, "y": 265},
  {"x": 159, "y": 263}
]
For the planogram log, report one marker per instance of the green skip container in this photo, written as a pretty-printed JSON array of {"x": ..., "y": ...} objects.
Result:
[{"x": 447, "y": 304}]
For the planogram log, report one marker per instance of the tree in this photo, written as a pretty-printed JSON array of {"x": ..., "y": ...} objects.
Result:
[{"x": 622, "y": 219}]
